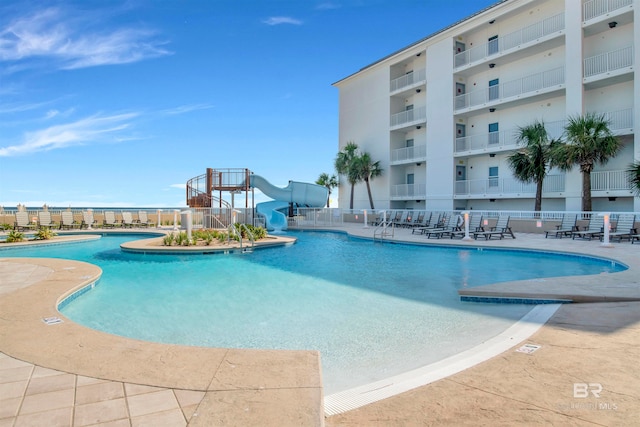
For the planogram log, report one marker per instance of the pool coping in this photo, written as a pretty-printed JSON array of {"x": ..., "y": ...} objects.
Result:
[{"x": 164, "y": 365}]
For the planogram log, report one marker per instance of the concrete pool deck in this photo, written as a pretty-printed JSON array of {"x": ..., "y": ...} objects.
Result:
[{"x": 70, "y": 375}]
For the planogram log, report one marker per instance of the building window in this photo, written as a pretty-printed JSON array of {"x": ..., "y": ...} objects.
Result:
[
  {"x": 494, "y": 136},
  {"x": 493, "y": 176},
  {"x": 409, "y": 143}
]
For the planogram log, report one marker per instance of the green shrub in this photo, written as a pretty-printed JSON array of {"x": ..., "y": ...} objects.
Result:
[
  {"x": 168, "y": 239},
  {"x": 5, "y": 227},
  {"x": 15, "y": 236},
  {"x": 44, "y": 234}
]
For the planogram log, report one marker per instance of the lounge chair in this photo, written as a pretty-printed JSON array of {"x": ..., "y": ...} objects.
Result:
[
  {"x": 44, "y": 219},
  {"x": 110, "y": 220},
  {"x": 422, "y": 220},
  {"x": 624, "y": 228},
  {"x": 436, "y": 221},
  {"x": 475, "y": 225},
  {"x": 66, "y": 220},
  {"x": 397, "y": 220},
  {"x": 446, "y": 229},
  {"x": 127, "y": 220},
  {"x": 500, "y": 230},
  {"x": 87, "y": 220},
  {"x": 386, "y": 216},
  {"x": 143, "y": 219},
  {"x": 410, "y": 218},
  {"x": 567, "y": 226},
  {"x": 22, "y": 222},
  {"x": 594, "y": 229}
]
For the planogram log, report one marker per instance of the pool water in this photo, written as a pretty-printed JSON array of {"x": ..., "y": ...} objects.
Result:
[{"x": 373, "y": 310}]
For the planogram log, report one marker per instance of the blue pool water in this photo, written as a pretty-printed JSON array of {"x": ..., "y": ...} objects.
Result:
[{"x": 372, "y": 310}]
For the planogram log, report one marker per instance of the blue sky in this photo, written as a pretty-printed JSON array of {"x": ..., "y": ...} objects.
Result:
[{"x": 119, "y": 103}]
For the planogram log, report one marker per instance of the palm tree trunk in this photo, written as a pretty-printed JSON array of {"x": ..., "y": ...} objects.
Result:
[
  {"x": 586, "y": 191},
  {"x": 351, "y": 204},
  {"x": 369, "y": 192},
  {"x": 328, "y": 198},
  {"x": 538, "y": 206}
]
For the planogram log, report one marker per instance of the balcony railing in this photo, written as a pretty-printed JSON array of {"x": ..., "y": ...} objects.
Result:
[
  {"x": 410, "y": 79},
  {"x": 418, "y": 152},
  {"x": 621, "y": 119},
  {"x": 523, "y": 86},
  {"x": 609, "y": 61},
  {"x": 506, "y": 139},
  {"x": 527, "y": 34},
  {"x": 507, "y": 186},
  {"x": 610, "y": 181},
  {"x": 409, "y": 191},
  {"x": 594, "y": 8},
  {"x": 409, "y": 116}
]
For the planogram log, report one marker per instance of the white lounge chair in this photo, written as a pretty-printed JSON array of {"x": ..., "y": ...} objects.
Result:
[
  {"x": 87, "y": 220},
  {"x": 110, "y": 220},
  {"x": 143, "y": 219},
  {"x": 44, "y": 219},
  {"x": 22, "y": 222},
  {"x": 567, "y": 226},
  {"x": 66, "y": 220}
]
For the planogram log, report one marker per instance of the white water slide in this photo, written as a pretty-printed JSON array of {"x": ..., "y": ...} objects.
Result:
[{"x": 301, "y": 194}]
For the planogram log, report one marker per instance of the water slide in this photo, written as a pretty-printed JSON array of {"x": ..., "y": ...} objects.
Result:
[{"x": 301, "y": 194}]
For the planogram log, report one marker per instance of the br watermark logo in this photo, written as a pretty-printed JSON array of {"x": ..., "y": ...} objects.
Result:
[
  {"x": 582, "y": 390},
  {"x": 592, "y": 393}
]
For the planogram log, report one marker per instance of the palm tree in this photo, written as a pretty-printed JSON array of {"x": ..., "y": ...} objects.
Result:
[
  {"x": 329, "y": 182},
  {"x": 530, "y": 163},
  {"x": 633, "y": 174},
  {"x": 589, "y": 141},
  {"x": 345, "y": 164},
  {"x": 367, "y": 170}
]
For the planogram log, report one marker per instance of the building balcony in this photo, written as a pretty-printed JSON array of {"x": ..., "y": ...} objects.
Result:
[
  {"x": 408, "y": 118},
  {"x": 531, "y": 35},
  {"x": 499, "y": 141},
  {"x": 408, "y": 81},
  {"x": 620, "y": 123},
  {"x": 493, "y": 188},
  {"x": 404, "y": 155},
  {"x": 408, "y": 192},
  {"x": 516, "y": 90},
  {"x": 597, "y": 14},
  {"x": 610, "y": 183},
  {"x": 609, "y": 68},
  {"x": 597, "y": 8}
]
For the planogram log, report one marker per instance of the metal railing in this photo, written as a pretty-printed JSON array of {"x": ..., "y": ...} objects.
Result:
[
  {"x": 530, "y": 84},
  {"x": 409, "y": 116},
  {"x": 608, "y": 61},
  {"x": 417, "y": 152},
  {"x": 494, "y": 186},
  {"x": 408, "y": 191},
  {"x": 594, "y": 8},
  {"x": 507, "y": 139},
  {"x": 409, "y": 79},
  {"x": 512, "y": 40},
  {"x": 610, "y": 181}
]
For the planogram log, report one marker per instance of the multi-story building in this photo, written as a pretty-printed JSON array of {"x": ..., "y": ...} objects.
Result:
[{"x": 441, "y": 114}]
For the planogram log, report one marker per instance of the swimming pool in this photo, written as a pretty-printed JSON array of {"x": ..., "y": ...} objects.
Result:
[{"x": 372, "y": 310}]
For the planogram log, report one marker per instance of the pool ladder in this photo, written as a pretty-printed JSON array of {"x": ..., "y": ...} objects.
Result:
[
  {"x": 384, "y": 230},
  {"x": 233, "y": 229}
]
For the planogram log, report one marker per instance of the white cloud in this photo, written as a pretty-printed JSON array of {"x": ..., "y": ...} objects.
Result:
[
  {"x": 186, "y": 109},
  {"x": 52, "y": 34},
  {"x": 277, "y": 20},
  {"x": 92, "y": 129},
  {"x": 327, "y": 6},
  {"x": 180, "y": 186}
]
